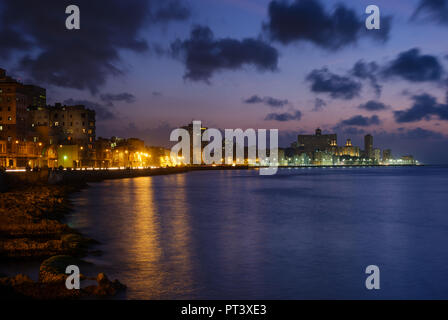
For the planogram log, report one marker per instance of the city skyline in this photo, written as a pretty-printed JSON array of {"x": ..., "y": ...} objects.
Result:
[{"x": 391, "y": 84}]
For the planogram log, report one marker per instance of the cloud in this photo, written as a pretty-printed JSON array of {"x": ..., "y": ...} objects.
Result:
[
  {"x": 421, "y": 134},
  {"x": 415, "y": 67},
  {"x": 425, "y": 107},
  {"x": 308, "y": 20},
  {"x": 367, "y": 71},
  {"x": 35, "y": 34},
  {"x": 203, "y": 55},
  {"x": 319, "y": 104},
  {"x": 373, "y": 106},
  {"x": 102, "y": 112},
  {"x": 283, "y": 117},
  {"x": 435, "y": 10},
  {"x": 341, "y": 87},
  {"x": 110, "y": 98},
  {"x": 360, "y": 121},
  {"x": 269, "y": 101}
]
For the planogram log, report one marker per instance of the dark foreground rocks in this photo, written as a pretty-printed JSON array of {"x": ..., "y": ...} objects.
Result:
[
  {"x": 52, "y": 283},
  {"x": 31, "y": 229},
  {"x": 30, "y": 224}
]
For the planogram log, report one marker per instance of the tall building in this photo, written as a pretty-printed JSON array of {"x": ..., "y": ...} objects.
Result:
[
  {"x": 15, "y": 98},
  {"x": 190, "y": 130},
  {"x": 316, "y": 142},
  {"x": 376, "y": 155},
  {"x": 387, "y": 155},
  {"x": 368, "y": 146}
]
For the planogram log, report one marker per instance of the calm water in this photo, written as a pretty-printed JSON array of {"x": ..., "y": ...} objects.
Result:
[{"x": 301, "y": 234}]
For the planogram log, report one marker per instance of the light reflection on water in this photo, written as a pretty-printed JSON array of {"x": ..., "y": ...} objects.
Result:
[{"x": 304, "y": 233}]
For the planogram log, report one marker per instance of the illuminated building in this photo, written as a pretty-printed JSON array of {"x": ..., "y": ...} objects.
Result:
[
  {"x": 387, "y": 155},
  {"x": 407, "y": 160},
  {"x": 376, "y": 155},
  {"x": 322, "y": 158},
  {"x": 15, "y": 97},
  {"x": 348, "y": 150}
]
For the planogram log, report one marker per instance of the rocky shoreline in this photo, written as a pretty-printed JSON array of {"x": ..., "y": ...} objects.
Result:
[{"x": 31, "y": 229}]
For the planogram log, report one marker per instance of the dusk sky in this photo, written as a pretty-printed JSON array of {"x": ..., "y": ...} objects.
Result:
[{"x": 147, "y": 67}]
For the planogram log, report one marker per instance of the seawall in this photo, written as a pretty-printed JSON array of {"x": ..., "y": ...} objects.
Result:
[{"x": 44, "y": 177}]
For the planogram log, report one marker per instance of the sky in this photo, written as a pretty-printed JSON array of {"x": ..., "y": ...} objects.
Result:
[{"x": 150, "y": 66}]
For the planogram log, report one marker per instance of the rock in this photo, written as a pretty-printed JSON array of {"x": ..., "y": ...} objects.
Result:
[
  {"x": 73, "y": 241},
  {"x": 18, "y": 280},
  {"x": 106, "y": 287},
  {"x": 53, "y": 269}
]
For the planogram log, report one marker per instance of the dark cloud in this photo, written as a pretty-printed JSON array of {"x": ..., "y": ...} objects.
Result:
[
  {"x": 308, "y": 20},
  {"x": 415, "y": 67},
  {"x": 85, "y": 58},
  {"x": 435, "y": 10},
  {"x": 341, "y": 87},
  {"x": 286, "y": 116},
  {"x": 373, "y": 106},
  {"x": 425, "y": 107},
  {"x": 204, "y": 55},
  {"x": 269, "y": 101},
  {"x": 319, "y": 104},
  {"x": 367, "y": 71},
  {"x": 110, "y": 98},
  {"x": 102, "y": 112},
  {"x": 360, "y": 121},
  {"x": 421, "y": 134},
  {"x": 156, "y": 94}
]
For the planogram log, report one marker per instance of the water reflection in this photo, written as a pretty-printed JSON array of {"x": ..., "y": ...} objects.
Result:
[{"x": 305, "y": 233}]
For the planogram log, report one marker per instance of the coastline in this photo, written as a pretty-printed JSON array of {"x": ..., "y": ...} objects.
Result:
[
  {"x": 32, "y": 229},
  {"x": 32, "y": 208}
]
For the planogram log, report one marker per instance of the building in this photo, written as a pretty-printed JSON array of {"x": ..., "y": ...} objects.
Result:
[
  {"x": 189, "y": 128},
  {"x": 368, "y": 146},
  {"x": 129, "y": 153},
  {"x": 160, "y": 157},
  {"x": 61, "y": 124},
  {"x": 376, "y": 155},
  {"x": 348, "y": 150},
  {"x": 407, "y": 160},
  {"x": 316, "y": 142},
  {"x": 15, "y": 98},
  {"x": 322, "y": 158},
  {"x": 387, "y": 155}
]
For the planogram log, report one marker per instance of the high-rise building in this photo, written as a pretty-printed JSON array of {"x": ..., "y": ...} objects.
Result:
[
  {"x": 191, "y": 132},
  {"x": 368, "y": 146},
  {"x": 376, "y": 155},
  {"x": 15, "y": 98},
  {"x": 316, "y": 142},
  {"x": 387, "y": 155}
]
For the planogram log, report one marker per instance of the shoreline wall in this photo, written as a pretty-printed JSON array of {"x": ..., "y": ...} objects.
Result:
[{"x": 44, "y": 177}]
